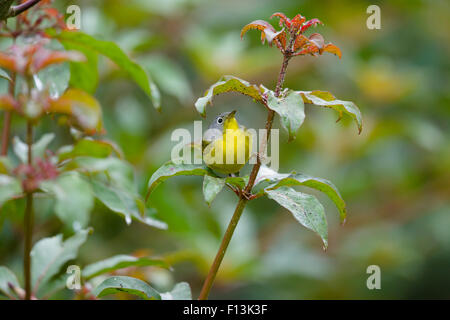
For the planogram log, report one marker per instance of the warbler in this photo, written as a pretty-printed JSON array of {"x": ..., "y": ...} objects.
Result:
[{"x": 226, "y": 144}]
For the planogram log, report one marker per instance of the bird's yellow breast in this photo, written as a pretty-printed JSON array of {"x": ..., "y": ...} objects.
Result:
[{"x": 229, "y": 153}]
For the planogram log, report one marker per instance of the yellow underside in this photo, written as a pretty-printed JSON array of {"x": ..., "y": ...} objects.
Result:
[{"x": 232, "y": 150}]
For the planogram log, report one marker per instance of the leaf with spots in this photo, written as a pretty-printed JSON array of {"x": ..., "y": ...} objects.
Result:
[
  {"x": 326, "y": 99},
  {"x": 227, "y": 84},
  {"x": 305, "y": 208}
]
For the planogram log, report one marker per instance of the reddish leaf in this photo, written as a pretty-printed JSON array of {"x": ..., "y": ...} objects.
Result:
[
  {"x": 260, "y": 25},
  {"x": 33, "y": 58},
  {"x": 281, "y": 40},
  {"x": 333, "y": 49},
  {"x": 297, "y": 22},
  {"x": 6, "y": 61},
  {"x": 318, "y": 41},
  {"x": 43, "y": 58},
  {"x": 300, "y": 42},
  {"x": 267, "y": 32},
  {"x": 8, "y": 103},
  {"x": 81, "y": 107},
  {"x": 270, "y": 35},
  {"x": 283, "y": 19},
  {"x": 309, "y": 23}
]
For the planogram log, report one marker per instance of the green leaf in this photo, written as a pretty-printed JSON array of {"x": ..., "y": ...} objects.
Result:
[
  {"x": 119, "y": 172},
  {"x": 124, "y": 203},
  {"x": 305, "y": 208},
  {"x": 38, "y": 149},
  {"x": 168, "y": 76},
  {"x": 181, "y": 291},
  {"x": 8, "y": 277},
  {"x": 227, "y": 84},
  {"x": 170, "y": 169},
  {"x": 5, "y": 75},
  {"x": 326, "y": 99},
  {"x": 51, "y": 287},
  {"x": 83, "y": 75},
  {"x": 277, "y": 180},
  {"x": 88, "y": 147},
  {"x": 291, "y": 109},
  {"x": 126, "y": 284},
  {"x": 5, "y": 165},
  {"x": 74, "y": 199},
  {"x": 115, "y": 53},
  {"x": 9, "y": 188},
  {"x": 211, "y": 187},
  {"x": 119, "y": 262},
  {"x": 49, "y": 255}
]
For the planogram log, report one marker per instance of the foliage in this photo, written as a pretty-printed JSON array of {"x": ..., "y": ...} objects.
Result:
[
  {"x": 393, "y": 176},
  {"x": 289, "y": 105},
  {"x": 77, "y": 174}
]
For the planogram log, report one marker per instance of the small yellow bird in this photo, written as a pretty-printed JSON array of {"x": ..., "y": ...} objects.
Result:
[{"x": 226, "y": 144}]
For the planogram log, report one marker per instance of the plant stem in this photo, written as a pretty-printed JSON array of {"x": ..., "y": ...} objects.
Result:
[
  {"x": 16, "y": 10},
  {"x": 7, "y": 119},
  {"x": 28, "y": 223},
  {"x": 204, "y": 293}
]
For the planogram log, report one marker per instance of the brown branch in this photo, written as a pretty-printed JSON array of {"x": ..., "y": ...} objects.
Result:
[
  {"x": 16, "y": 10},
  {"x": 7, "y": 120},
  {"x": 28, "y": 221}
]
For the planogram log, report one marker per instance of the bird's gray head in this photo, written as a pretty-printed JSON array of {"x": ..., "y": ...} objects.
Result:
[
  {"x": 215, "y": 129},
  {"x": 219, "y": 121}
]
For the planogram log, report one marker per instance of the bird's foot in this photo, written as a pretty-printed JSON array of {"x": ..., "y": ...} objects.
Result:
[{"x": 247, "y": 195}]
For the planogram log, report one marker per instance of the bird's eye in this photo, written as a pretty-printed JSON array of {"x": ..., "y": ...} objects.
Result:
[{"x": 219, "y": 121}]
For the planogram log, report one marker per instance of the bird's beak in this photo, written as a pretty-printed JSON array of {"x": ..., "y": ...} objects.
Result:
[{"x": 231, "y": 114}]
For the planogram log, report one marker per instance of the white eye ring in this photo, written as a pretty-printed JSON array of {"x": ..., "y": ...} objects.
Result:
[{"x": 219, "y": 121}]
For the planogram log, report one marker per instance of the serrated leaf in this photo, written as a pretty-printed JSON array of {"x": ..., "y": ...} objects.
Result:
[
  {"x": 50, "y": 254},
  {"x": 7, "y": 277},
  {"x": 170, "y": 169},
  {"x": 119, "y": 262},
  {"x": 125, "y": 203},
  {"x": 227, "y": 84},
  {"x": 38, "y": 149},
  {"x": 115, "y": 53},
  {"x": 9, "y": 188},
  {"x": 211, "y": 187},
  {"x": 74, "y": 199},
  {"x": 298, "y": 179},
  {"x": 126, "y": 284},
  {"x": 326, "y": 99},
  {"x": 291, "y": 109},
  {"x": 305, "y": 208},
  {"x": 181, "y": 291}
]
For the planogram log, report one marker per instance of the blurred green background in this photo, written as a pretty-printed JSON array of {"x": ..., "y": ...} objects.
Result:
[{"x": 394, "y": 176}]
